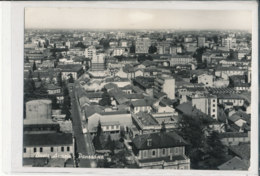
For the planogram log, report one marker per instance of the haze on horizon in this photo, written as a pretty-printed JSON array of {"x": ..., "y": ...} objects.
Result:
[{"x": 101, "y": 18}]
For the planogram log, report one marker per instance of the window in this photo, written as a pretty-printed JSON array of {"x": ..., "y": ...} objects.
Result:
[
  {"x": 213, "y": 110},
  {"x": 145, "y": 153},
  {"x": 153, "y": 153},
  {"x": 34, "y": 150},
  {"x": 51, "y": 149},
  {"x": 68, "y": 149},
  {"x": 40, "y": 149},
  {"x": 24, "y": 150},
  {"x": 163, "y": 151},
  {"x": 214, "y": 105},
  {"x": 214, "y": 100},
  {"x": 176, "y": 150},
  {"x": 62, "y": 149}
]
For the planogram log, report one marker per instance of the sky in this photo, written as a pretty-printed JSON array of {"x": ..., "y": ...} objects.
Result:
[{"x": 97, "y": 18}]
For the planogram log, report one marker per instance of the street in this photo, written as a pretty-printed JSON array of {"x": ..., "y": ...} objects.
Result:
[{"x": 82, "y": 140}]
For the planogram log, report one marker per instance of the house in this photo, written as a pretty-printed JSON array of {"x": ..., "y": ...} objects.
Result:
[
  {"x": 235, "y": 99},
  {"x": 161, "y": 150},
  {"x": 74, "y": 70},
  {"x": 110, "y": 121},
  {"x": 143, "y": 105},
  {"x": 234, "y": 138},
  {"x": 240, "y": 121},
  {"x": 242, "y": 151}
]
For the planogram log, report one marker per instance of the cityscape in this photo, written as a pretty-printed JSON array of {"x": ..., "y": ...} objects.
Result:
[{"x": 137, "y": 98}]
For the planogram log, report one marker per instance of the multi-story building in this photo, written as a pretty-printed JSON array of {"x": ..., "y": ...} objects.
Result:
[
  {"x": 118, "y": 51},
  {"x": 163, "y": 48},
  {"x": 142, "y": 45},
  {"x": 166, "y": 85},
  {"x": 229, "y": 42},
  {"x": 180, "y": 59},
  {"x": 201, "y": 41},
  {"x": 98, "y": 62},
  {"x": 160, "y": 150},
  {"x": 205, "y": 103},
  {"x": 90, "y": 52}
]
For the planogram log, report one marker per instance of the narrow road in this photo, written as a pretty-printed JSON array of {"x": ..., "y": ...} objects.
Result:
[{"x": 82, "y": 140}]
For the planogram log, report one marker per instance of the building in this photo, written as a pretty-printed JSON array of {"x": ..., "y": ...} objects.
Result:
[
  {"x": 38, "y": 109},
  {"x": 98, "y": 62},
  {"x": 234, "y": 164},
  {"x": 76, "y": 51},
  {"x": 201, "y": 41},
  {"x": 234, "y": 138},
  {"x": 142, "y": 45},
  {"x": 143, "y": 105},
  {"x": 161, "y": 151},
  {"x": 119, "y": 51},
  {"x": 145, "y": 123},
  {"x": 75, "y": 70},
  {"x": 206, "y": 79},
  {"x": 90, "y": 52},
  {"x": 229, "y": 42},
  {"x": 180, "y": 60},
  {"x": 48, "y": 145},
  {"x": 233, "y": 99},
  {"x": 205, "y": 103},
  {"x": 166, "y": 85}
]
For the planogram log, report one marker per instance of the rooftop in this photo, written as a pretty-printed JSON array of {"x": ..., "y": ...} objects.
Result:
[
  {"x": 158, "y": 140},
  {"x": 47, "y": 139},
  {"x": 232, "y": 134},
  {"x": 234, "y": 164}
]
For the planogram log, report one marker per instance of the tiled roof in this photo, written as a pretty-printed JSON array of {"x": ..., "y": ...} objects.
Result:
[
  {"x": 232, "y": 134},
  {"x": 47, "y": 139},
  {"x": 158, "y": 140},
  {"x": 242, "y": 150},
  {"x": 234, "y": 164}
]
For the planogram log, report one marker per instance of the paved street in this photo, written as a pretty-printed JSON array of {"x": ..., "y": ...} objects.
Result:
[{"x": 82, "y": 140}]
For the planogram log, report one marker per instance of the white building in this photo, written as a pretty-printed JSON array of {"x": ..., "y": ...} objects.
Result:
[
  {"x": 166, "y": 85},
  {"x": 90, "y": 52}
]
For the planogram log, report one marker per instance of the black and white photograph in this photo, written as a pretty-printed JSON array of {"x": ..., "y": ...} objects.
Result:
[{"x": 137, "y": 88}]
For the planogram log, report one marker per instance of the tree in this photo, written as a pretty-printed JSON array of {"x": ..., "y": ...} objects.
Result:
[
  {"x": 71, "y": 79},
  {"x": 65, "y": 91},
  {"x": 106, "y": 99},
  {"x": 99, "y": 129},
  {"x": 110, "y": 144},
  {"x": 132, "y": 49},
  {"x": 39, "y": 77},
  {"x": 34, "y": 66},
  {"x": 152, "y": 49},
  {"x": 163, "y": 128},
  {"x": 192, "y": 130},
  {"x": 98, "y": 138},
  {"x": 55, "y": 105}
]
